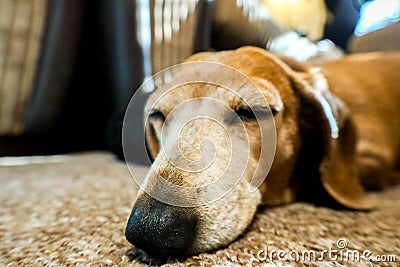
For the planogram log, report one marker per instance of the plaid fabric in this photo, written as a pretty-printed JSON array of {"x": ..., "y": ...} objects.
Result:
[
  {"x": 21, "y": 31},
  {"x": 173, "y": 29}
]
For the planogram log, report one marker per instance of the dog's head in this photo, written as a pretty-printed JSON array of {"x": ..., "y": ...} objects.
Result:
[{"x": 314, "y": 145}]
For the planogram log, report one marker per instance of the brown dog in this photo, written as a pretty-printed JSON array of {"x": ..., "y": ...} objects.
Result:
[{"x": 337, "y": 131}]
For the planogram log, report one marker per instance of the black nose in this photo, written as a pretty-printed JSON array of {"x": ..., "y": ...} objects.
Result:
[{"x": 160, "y": 229}]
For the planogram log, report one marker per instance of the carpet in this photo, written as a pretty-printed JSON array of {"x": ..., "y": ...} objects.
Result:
[{"x": 71, "y": 210}]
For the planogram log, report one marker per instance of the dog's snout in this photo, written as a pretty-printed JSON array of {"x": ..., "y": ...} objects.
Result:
[{"x": 160, "y": 229}]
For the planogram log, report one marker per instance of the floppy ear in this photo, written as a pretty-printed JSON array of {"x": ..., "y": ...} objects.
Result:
[
  {"x": 324, "y": 113},
  {"x": 151, "y": 142}
]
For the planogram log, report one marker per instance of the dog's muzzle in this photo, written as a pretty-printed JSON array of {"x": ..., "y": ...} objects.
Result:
[{"x": 161, "y": 230}]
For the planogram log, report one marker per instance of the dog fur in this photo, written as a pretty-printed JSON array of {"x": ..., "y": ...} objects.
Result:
[{"x": 337, "y": 131}]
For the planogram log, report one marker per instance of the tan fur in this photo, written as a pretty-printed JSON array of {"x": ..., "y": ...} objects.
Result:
[
  {"x": 370, "y": 85},
  {"x": 364, "y": 97}
]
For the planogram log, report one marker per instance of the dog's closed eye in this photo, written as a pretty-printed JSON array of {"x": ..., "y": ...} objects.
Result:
[
  {"x": 247, "y": 114},
  {"x": 157, "y": 115}
]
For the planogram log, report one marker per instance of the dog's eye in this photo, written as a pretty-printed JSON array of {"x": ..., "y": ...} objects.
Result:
[
  {"x": 256, "y": 112},
  {"x": 245, "y": 113},
  {"x": 157, "y": 115}
]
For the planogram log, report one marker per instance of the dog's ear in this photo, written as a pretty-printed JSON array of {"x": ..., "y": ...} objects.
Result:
[
  {"x": 151, "y": 142},
  {"x": 149, "y": 150},
  {"x": 323, "y": 113}
]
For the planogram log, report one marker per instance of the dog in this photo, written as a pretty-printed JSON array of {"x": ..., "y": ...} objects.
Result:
[{"x": 337, "y": 136}]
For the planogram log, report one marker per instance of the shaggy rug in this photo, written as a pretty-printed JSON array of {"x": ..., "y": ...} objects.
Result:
[{"x": 71, "y": 211}]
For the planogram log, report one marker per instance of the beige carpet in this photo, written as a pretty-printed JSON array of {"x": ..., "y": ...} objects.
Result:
[{"x": 72, "y": 210}]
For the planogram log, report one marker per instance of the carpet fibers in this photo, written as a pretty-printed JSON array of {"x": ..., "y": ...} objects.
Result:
[{"x": 71, "y": 211}]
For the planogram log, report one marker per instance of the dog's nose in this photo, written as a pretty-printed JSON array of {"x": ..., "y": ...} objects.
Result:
[{"x": 160, "y": 229}]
